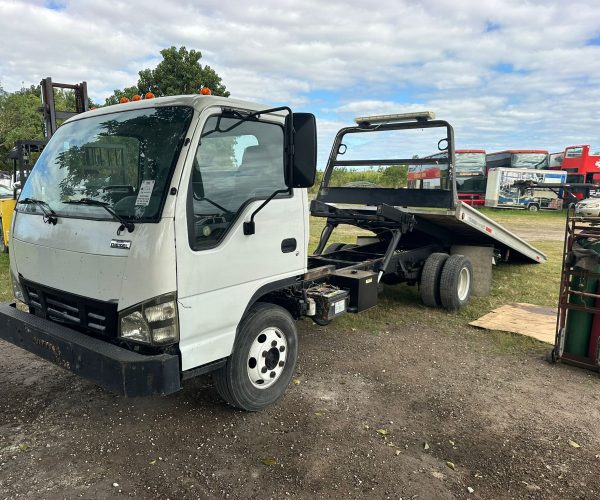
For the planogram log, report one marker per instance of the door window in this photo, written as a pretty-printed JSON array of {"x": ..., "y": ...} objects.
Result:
[{"x": 236, "y": 162}]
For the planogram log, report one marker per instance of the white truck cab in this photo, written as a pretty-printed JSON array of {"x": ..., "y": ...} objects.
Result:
[{"x": 130, "y": 231}]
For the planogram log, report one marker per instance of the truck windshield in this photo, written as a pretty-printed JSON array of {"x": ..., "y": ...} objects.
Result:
[
  {"x": 530, "y": 160},
  {"x": 470, "y": 164},
  {"x": 124, "y": 160}
]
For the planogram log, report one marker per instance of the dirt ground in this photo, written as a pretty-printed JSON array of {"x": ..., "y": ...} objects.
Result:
[
  {"x": 389, "y": 412},
  {"x": 410, "y": 413},
  {"x": 540, "y": 230}
]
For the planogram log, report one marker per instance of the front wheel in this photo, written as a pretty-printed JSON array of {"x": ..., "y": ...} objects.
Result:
[
  {"x": 263, "y": 359},
  {"x": 456, "y": 282}
]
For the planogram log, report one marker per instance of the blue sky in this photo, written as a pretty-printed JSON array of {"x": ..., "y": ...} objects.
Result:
[{"x": 507, "y": 74}]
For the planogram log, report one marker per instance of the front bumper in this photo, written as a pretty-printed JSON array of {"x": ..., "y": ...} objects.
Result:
[{"x": 119, "y": 370}]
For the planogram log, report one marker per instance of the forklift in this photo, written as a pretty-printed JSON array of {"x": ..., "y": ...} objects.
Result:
[{"x": 26, "y": 152}]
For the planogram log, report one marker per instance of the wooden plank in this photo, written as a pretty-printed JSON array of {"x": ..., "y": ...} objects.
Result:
[{"x": 525, "y": 319}]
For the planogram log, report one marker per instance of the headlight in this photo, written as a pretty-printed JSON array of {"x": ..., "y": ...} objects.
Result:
[
  {"x": 16, "y": 287},
  {"x": 152, "y": 322}
]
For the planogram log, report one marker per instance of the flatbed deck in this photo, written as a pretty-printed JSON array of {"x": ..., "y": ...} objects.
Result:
[
  {"x": 471, "y": 227},
  {"x": 462, "y": 225}
]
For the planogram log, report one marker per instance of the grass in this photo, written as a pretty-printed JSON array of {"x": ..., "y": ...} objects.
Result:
[
  {"x": 400, "y": 305},
  {"x": 505, "y": 214},
  {"x": 5, "y": 286}
]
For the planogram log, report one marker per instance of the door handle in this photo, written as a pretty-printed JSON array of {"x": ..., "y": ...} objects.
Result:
[{"x": 289, "y": 245}]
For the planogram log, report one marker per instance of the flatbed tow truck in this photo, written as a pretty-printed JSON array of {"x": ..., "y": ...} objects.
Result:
[{"x": 162, "y": 239}]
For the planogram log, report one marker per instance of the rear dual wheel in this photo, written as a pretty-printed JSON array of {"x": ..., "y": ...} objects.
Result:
[
  {"x": 446, "y": 281},
  {"x": 430, "y": 279}
]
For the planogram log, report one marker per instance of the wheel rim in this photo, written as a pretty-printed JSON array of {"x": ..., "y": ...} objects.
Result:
[
  {"x": 267, "y": 357},
  {"x": 464, "y": 283}
]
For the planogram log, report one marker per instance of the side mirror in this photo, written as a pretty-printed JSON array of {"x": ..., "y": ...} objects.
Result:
[{"x": 304, "y": 166}]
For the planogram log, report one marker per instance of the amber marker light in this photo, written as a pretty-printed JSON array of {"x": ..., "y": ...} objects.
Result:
[
  {"x": 136, "y": 98},
  {"x": 123, "y": 100},
  {"x": 149, "y": 95},
  {"x": 205, "y": 91}
]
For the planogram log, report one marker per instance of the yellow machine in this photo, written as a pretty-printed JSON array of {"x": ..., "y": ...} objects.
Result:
[
  {"x": 23, "y": 155},
  {"x": 7, "y": 207}
]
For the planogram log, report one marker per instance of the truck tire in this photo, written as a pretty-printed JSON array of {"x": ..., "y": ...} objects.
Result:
[
  {"x": 456, "y": 282},
  {"x": 429, "y": 286},
  {"x": 263, "y": 359},
  {"x": 533, "y": 207}
]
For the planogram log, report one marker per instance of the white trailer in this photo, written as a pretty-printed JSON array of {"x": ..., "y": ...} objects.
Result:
[
  {"x": 186, "y": 251},
  {"x": 516, "y": 188}
]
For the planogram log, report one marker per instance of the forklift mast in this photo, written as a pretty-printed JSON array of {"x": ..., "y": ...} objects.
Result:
[{"x": 48, "y": 109}]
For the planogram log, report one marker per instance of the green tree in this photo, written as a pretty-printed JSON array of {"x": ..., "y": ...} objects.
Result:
[
  {"x": 180, "y": 72},
  {"x": 20, "y": 117},
  {"x": 126, "y": 92}
]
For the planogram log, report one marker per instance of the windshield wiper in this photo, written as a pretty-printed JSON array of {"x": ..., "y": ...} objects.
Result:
[
  {"x": 49, "y": 214},
  {"x": 125, "y": 224}
]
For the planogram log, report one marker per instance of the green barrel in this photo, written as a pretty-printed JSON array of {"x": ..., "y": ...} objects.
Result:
[{"x": 579, "y": 324}]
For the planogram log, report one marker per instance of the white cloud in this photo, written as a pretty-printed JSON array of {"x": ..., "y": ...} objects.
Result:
[{"x": 341, "y": 59}]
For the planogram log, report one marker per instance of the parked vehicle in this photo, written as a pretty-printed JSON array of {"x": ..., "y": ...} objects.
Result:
[
  {"x": 189, "y": 254},
  {"x": 590, "y": 207},
  {"x": 582, "y": 165},
  {"x": 516, "y": 188},
  {"x": 555, "y": 160},
  {"x": 535, "y": 159},
  {"x": 5, "y": 192},
  {"x": 470, "y": 174}
]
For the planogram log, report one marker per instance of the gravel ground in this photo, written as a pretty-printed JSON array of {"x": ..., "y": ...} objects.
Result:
[
  {"x": 405, "y": 413},
  {"x": 410, "y": 412}
]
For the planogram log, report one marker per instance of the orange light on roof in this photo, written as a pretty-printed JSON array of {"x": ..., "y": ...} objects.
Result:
[
  {"x": 136, "y": 98},
  {"x": 123, "y": 100},
  {"x": 205, "y": 91},
  {"x": 149, "y": 95},
  {"x": 93, "y": 109}
]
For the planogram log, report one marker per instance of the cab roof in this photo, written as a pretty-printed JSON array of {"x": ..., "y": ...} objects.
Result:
[{"x": 197, "y": 101}]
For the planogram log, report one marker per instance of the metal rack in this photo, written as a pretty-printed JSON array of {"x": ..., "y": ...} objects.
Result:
[
  {"x": 576, "y": 228},
  {"x": 48, "y": 108}
]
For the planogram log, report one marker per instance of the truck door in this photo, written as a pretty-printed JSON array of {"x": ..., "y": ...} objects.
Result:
[{"x": 233, "y": 165}]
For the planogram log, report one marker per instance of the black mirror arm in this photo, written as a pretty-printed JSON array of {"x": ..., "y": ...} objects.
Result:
[{"x": 250, "y": 227}]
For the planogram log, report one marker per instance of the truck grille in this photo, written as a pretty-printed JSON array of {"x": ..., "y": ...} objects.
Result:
[{"x": 90, "y": 316}]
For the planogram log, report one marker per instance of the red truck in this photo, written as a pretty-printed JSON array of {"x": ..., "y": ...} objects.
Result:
[
  {"x": 582, "y": 165},
  {"x": 470, "y": 174}
]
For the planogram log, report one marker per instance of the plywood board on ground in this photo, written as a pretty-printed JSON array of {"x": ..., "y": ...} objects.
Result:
[{"x": 525, "y": 319}]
